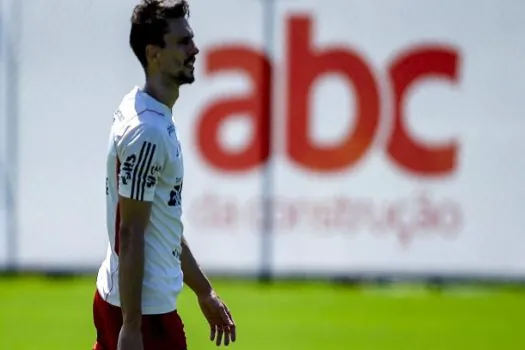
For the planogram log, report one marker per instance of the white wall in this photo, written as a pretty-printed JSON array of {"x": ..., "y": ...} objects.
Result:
[{"x": 75, "y": 65}]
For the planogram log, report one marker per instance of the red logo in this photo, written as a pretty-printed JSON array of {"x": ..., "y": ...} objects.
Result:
[{"x": 304, "y": 64}]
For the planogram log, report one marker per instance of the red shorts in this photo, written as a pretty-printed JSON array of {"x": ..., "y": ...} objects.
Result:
[{"x": 159, "y": 332}]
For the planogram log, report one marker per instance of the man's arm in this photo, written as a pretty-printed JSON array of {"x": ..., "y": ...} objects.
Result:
[
  {"x": 193, "y": 275},
  {"x": 141, "y": 158},
  {"x": 134, "y": 220}
]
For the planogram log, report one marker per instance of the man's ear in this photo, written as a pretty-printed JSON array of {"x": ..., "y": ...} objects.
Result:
[{"x": 152, "y": 53}]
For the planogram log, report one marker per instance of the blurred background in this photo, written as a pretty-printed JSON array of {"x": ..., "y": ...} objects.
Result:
[{"x": 354, "y": 169}]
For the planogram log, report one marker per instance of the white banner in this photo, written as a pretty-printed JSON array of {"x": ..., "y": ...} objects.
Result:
[
  {"x": 4, "y": 209},
  {"x": 4, "y": 125},
  {"x": 396, "y": 136}
]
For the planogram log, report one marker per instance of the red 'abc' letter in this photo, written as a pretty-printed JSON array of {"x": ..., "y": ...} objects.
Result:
[
  {"x": 405, "y": 71},
  {"x": 257, "y": 105},
  {"x": 306, "y": 65}
]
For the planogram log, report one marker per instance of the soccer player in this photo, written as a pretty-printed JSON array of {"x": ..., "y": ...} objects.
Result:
[{"x": 148, "y": 259}]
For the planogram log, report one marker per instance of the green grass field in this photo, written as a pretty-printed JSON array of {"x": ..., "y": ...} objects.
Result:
[{"x": 38, "y": 313}]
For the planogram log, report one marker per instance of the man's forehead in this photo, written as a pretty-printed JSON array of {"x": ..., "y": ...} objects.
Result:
[{"x": 179, "y": 27}]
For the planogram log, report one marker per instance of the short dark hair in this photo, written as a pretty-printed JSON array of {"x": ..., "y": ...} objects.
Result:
[{"x": 149, "y": 23}]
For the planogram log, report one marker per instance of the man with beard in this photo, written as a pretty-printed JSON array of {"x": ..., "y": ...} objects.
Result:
[{"x": 148, "y": 259}]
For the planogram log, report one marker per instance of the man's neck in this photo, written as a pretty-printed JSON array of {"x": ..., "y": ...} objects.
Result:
[{"x": 162, "y": 92}]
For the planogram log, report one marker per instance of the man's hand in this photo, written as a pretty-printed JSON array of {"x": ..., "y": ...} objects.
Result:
[
  {"x": 216, "y": 312},
  {"x": 130, "y": 338},
  {"x": 219, "y": 318}
]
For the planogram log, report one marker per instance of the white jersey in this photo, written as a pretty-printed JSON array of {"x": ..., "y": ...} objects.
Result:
[{"x": 144, "y": 163}]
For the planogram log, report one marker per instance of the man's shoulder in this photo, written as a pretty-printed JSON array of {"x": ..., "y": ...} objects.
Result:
[
  {"x": 138, "y": 129},
  {"x": 133, "y": 113},
  {"x": 138, "y": 104}
]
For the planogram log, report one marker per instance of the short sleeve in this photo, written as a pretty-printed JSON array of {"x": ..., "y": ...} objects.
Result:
[{"x": 141, "y": 157}]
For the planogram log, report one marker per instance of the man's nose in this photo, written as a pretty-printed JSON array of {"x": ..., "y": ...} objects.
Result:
[{"x": 195, "y": 50}]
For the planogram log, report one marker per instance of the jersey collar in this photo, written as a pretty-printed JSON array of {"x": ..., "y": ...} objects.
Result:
[{"x": 161, "y": 107}]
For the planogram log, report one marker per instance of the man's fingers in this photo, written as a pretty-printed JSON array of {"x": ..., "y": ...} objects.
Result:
[
  {"x": 233, "y": 333},
  {"x": 227, "y": 336},
  {"x": 230, "y": 334},
  {"x": 213, "y": 332},
  {"x": 223, "y": 334},
  {"x": 220, "y": 333}
]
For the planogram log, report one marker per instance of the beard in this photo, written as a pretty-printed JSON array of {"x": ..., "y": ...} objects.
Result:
[
  {"x": 184, "y": 75},
  {"x": 185, "y": 78},
  {"x": 180, "y": 78}
]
